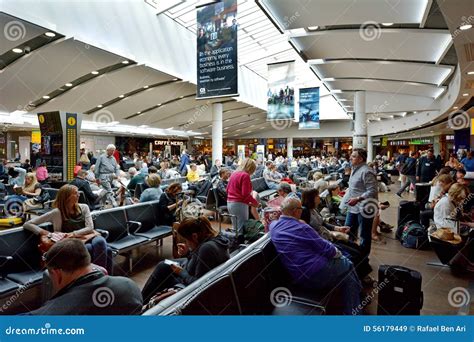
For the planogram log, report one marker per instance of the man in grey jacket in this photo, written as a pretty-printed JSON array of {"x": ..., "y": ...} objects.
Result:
[
  {"x": 83, "y": 290},
  {"x": 362, "y": 200},
  {"x": 106, "y": 170}
]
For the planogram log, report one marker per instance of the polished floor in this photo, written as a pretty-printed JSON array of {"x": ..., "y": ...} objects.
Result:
[{"x": 437, "y": 284}]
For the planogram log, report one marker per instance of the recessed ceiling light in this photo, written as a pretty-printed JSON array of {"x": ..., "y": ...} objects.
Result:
[
  {"x": 159, "y": 104},
  {"x": 50, "y": 34},
  {"x": 122, "y": 96},
  {"x": 175, "y": 79},
  {"x": 415, "y": 112},
  {"x": 470, "y": 72},
  {"x": 181, "y": 97},
  {"x": 17, "y": 50},
  {"x": 455, "y": 107},
  {"x": 336, "y": 91},
  {"x": 94, "y": 72},
  {"x": 139, "y": 112},
  {"x": 68, "y": 84},
  {"x": 465, "y": 27},
  {"x": 125, "y": 62},
  {"x": 46, "y": 97},
  {"x": 465, "y": 94},
  {"x": 99, "y": 106},
  {"x": 387, "y": 24},
  {"x": 313, "y": 28},
  {"x": 145, "y": 87}
]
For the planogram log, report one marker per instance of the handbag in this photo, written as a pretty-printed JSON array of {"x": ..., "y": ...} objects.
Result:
[{"x": 161, "y": 296}]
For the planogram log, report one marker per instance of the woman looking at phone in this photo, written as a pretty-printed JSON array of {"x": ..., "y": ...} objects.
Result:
[{"x": 203, "y": 250}]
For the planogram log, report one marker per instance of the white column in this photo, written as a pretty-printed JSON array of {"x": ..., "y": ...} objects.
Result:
[
  {"x": 359, "y": 138},
  {"x": 289, "y": 148},
  {"x": 216, "y": 131},
  {"x": 370, "y": 149}
]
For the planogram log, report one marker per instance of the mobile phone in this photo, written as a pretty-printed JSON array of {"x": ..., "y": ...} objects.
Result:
[{"x": 171, "y": 262}]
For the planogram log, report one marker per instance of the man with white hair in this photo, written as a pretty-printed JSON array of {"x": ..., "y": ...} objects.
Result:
[
  {"x": 106, "y": 170},
  {"x": 313, "y": 263}
]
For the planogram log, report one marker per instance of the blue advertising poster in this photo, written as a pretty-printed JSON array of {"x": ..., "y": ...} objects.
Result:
[
  {"x": 217, "y": 49},
  {"x": 309, "y": 108},
  {"x": 281, "y": 91}
]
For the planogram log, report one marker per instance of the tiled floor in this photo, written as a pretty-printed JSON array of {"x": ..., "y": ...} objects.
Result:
[{"x": 436, "y": 285}]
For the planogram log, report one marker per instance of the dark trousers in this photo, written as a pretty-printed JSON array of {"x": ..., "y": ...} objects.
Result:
[
  {"x": 425, "y": 217},
  {"x": 356, "y": 221},
  {"x": 100, "y": 253},
  {"x": 162, "y": 278}
]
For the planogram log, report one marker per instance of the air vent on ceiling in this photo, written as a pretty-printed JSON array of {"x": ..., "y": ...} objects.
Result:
[{"x": 469, "y": 48}]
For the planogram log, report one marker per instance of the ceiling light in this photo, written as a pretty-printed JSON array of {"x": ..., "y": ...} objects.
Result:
[
  {"x": 249, "y": 131},
  {"x": 316, "y": 61},
  {"x": 455, "y": 107},
  {"x": 68, "y": 84},
  {"x": 122, "y": 96},
  {"x": 470, "y": 72},
  {"x": 170, "y": 128},
  {"x": 465, "y": 94},
  {"x": 336, "y": 91},
  {"x": 175, "y": 79},
  {"x": 387, "y": 24},
  {"x": 46, "y": 97},
  {"x": 415, "y": 112},
  {"x": 125, "y": 62},
  {"x": 139, "y": 112},
  {"x": 329, "y": 79},
  {"x": 17, "y": 50},
  {"x": 313, "y": 28},
  {"x": 99, "y": 106},
  {"x": 181, "y": 97},
  {"x": 465, "y": 27},
  {"x": 145, "y": 87},
  {"x": 50, "y": 34},
  {"x": 94, "y": 72},
  {"x": 143, "y": 126}
]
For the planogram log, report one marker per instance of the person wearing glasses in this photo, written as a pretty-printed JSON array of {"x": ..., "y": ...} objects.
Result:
[
  {"x": 313, "y": 262},
  {"x": 203, "y": 249},
  {"x": 80, "y": 286}
]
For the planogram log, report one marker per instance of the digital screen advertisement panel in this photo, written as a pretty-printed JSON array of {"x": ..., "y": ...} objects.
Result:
[
  {"x": 281, "y": 91},
  {"x": 309, "y": 108}
]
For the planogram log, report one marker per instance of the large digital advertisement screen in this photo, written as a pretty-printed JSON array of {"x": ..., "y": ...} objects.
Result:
[
  {"x": 281, "y": 91},
  {"x": 309, "y": 108},
  {"x": 217, "y": 28}
]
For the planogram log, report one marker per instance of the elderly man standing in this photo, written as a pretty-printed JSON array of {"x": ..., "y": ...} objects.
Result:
[
  {"x": 312, "y": 262},
  {"x": 106, "y": 170},
  {"x": 362, "y": 201}
]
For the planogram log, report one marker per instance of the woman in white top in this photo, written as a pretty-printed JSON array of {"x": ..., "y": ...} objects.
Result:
[
  {"x": 73, "y": 220},
  {"x": 439, "y": 188},
  {"x": 448, "y": 207}
]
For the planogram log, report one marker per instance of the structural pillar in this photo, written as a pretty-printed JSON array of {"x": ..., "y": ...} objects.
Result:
[
  {"x": 359, "y": 138},
  {"x": 370, "y": 149},
  {"x": 216, "y": 132},
  {"x": 289, "y": 148}
]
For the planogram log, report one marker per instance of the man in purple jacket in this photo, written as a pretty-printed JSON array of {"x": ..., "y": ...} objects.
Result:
[{"x": 313, "y": 263}]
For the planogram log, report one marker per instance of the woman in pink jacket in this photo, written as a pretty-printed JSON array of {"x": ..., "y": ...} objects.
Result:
[{"x": 240, "y": 196}]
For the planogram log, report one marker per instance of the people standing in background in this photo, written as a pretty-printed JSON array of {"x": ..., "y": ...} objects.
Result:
[
  {"x": 184, "y": 163},
  {"x": 106, "y": 170},
  {"x": 468, "y": 163},
  {"x": 426, "y": 169},
  {"x": 409, "y": 170}
]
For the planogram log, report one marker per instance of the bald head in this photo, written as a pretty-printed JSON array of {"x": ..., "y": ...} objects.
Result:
[{"x": 292, "y": 207}]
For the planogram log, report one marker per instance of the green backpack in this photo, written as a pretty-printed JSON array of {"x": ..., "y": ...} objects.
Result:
[{"x": 253, "y": 230}]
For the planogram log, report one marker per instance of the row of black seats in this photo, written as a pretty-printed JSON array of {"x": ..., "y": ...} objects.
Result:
[
  {"x": 253, "y": 282},
  {"x": 260, "y": 186}
]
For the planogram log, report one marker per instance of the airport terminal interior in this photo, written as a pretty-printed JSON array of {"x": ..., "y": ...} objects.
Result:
[{"x": 236, "y": 157}]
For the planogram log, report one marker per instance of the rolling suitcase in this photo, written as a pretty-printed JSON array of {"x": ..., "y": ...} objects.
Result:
[
  {"x": 399, "y": 291},
  {"x": 407, "y": 211}
]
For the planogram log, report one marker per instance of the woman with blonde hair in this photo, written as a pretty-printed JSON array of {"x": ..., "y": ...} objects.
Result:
[
  {"x": 319, "y": 183},
  {"x": 24, "y": 195},
  {"x": 153, "y": 193},
  {"x": 240, "y": 196},
  {"x": 71, "y": 219},
  {"x": 447, "y": 208}
]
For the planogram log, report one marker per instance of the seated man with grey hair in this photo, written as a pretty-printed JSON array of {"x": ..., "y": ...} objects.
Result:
[
  {"x": 313, "y": 263},
  {"x": 284, "y": 190},
  {"x": 82, "y": 289}
]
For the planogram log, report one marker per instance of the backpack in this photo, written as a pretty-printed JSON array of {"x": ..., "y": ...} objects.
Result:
[
  {"x": 253, "y": 230},
  {"x": 414, "y": 235}
]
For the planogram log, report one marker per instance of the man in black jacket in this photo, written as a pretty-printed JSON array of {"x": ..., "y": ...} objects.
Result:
[
  {"x": 426, "y": 170},
  {"x": 82, "y": 290},
  {"x": 83, "y": 185},
  {"x": 408, "y": 170}
]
